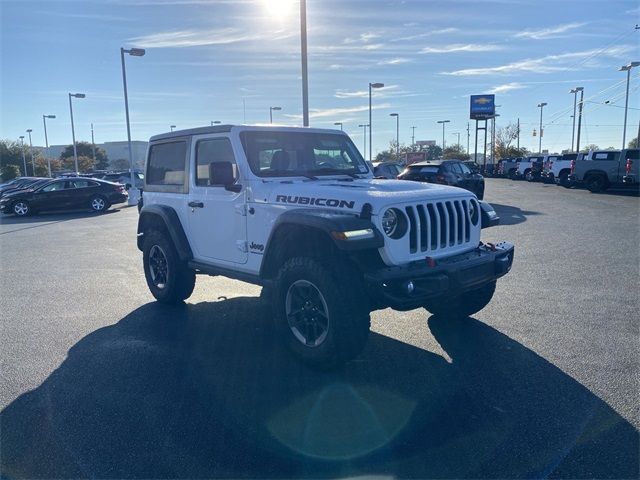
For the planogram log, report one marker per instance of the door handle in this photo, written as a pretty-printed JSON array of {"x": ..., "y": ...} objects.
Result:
[{"x": 196, "y": 204}]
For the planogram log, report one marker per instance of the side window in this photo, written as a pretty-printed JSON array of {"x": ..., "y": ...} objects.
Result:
[
  {"x": 54, "y": 187},
  {"x": 216, "y": 150},
  {"x": 81, "y": 184},
  {"x": 632, "y": 155},
  {"x": 464, "y": 169},
  {"x": 167, "y": 163}
]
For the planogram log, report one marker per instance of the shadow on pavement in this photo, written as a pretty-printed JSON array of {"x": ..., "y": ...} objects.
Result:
[
  {"x": 205, "y": 390},
  {"x": 510, "y": 215},
  {"x": 56, "y": 216}
]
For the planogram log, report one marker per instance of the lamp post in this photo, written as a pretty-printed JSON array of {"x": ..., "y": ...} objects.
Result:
[
  {"x": 93, "y": 145},
  {"x": 397, "y": 132},
  {"x": 303, "y": 56},
  {"x": 540, "y": 106},
  {"x": 458, "y": 134},
  {"x": 46, "y": 141},
  {"x": 339, "y": 123},
  {"x": 24, "y": 159},
  {"x": 372, "y": 86},
  {"x": 134, "y": 52},
  {"x": 73, "y": 131},
  {"x": 443, "y": 122},
  {"x": 172, "y": 127},
  {"x": 364, "y": 127},
  {"x": 33, "y": 162},
  {"x": 271, "y": 109},
  {"x": 627, "y": 68},
  {"x": 575, "y": 100},
  {"x": 580, "y": 105},
  {"x": 215, "y": 122},
  {"x": 413, "y": 136}
]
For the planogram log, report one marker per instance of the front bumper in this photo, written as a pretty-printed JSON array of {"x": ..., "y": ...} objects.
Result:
[
  {"x": 629, "y": 180},
  {"x": 410, "y": 286}
]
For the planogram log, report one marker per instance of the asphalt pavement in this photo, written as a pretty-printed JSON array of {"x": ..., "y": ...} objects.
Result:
[{"x": 97, "y": 380}]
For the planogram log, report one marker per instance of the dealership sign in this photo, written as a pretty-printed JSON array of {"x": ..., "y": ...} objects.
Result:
[{"x": 482, "y": 107}]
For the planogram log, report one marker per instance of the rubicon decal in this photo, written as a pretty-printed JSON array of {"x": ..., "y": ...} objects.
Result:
[{"x": 320, "y": 202}]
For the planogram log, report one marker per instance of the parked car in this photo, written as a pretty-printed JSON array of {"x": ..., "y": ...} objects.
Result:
[
  {"x": 445, "y": 172},
  {"x": 509, "y": 167},
  {"x": 558, "y": 169},
  {"x": 389, "y": 170},
  {"x": 124, "y": 178},
  {"x": 525, "y": 166},
  {"x": 64, "y": 194},
  {"x": 537, "y": 167},
  {"x": 18, "y": 184},
  {"x": 607, "y": 168}
]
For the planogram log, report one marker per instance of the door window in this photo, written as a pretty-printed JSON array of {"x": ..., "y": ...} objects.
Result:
[
  {"x": 464, "y": 169},
  {"x": 215, "y": 150},
  {"x": 81, "y": 184},
  {"x": 53, "y": 187}
]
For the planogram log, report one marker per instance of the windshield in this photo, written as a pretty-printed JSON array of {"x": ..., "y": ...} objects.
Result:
[{"x": 291, "y": 154}]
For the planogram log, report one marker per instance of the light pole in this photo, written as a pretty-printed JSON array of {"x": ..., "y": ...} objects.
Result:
[
  {"x": 413, "y": 136},
  {"x": 339, "y": 123},
  {"x": 364, "y": 127},
  {"x": 443, "y": 122},
  {"x": 580, "y": 105},
  {"x": 215, "y": 122},
  {"x": 627, "y": 68},
  {"x": 271, "y": 109},
  {"x": 303, "y": 56},
  {"x": 397, "y": 115},
  {"x": 93, "y": 146},
  {"x": 24, "y": 159},
  {"x": 458, "y": 134},
  {"x": 372, "y": 86},
  {"x": 540, "y": 106},
  {"x": 73, "y": 131},
  {"x": 575, "y": 100},
  {"x": 172, "y": 127},
  {"x": 46, "y": 141},
  {"x": 33, "y": 162}
]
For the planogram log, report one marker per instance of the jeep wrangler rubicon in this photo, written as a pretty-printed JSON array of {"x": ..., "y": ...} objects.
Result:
[{"x": 297, "y": 211}]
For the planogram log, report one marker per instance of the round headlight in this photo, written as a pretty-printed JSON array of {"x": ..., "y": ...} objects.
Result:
[
  {"x": 474, "y": 212},
  {"x": 389, "y": 221}
]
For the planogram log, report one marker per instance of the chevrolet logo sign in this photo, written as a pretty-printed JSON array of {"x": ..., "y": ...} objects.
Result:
[{"x": 482, "y": 100}]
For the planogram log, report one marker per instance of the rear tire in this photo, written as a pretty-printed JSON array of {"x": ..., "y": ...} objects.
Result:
[
  {"x": 465, "y": 305},
  {"x": 169, "y": 279},
  {"x": 564, "y": 180},
  {"x": 596, "y": 183},
  {"x": 323, "y": 323},
  {"x": 98, "y": 204}
]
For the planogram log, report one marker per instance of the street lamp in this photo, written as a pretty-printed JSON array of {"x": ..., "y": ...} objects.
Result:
[
  {"x": 627, "y": 68},
  {"x": 215, "y": 122},
  {"x": 364, "y": 127},
  {"x": 397, "y": 132},
  {"x": 134, "y": 52},
  {"x": 540, "y": 106},
  {"x": 33, "y": 162},
  {"x": 271, "y": 109},
  {"x": 46, "y": 141},
  {"x": 371, "y": 86},
  {"x": 338, "y": 123},
  {"x": 575, "y": 100},
  {"x": 172, "y": 127},
  {"x": 413, "y": 136},
  {"x": 24, "y": 159},
  {"x": 443, "y": 122},
  {"x": 73, "y": 132}
]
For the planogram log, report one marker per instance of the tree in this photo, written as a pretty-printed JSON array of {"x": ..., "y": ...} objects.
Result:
[
  {"x": 633, "y": 143},
  {"x": 505, "y": 136},
  {"x": 455, "y": 152},
  {"x": 11, "y": 154},
  {"x": 9, "y": 172},
  {"x": 85, "y": 149},
  {"x": 85, "y": 164},
  {"x": 591, "y": 146}
]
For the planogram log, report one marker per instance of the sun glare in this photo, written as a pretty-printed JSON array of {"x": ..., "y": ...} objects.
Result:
[{"x": 279, "y": 8}]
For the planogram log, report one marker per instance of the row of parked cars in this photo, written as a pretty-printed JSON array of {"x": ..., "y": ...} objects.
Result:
[
  {"x": 596, "y": 170},
  {"x": 29, "y": 195}
]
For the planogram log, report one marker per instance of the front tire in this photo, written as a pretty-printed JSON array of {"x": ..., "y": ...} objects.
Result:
[
  {"x": 321, "y": 313},
  {"x": 467, "y": 304},
  {"x": 169, "y": 279},
  {"x": 21, "y": 208}
]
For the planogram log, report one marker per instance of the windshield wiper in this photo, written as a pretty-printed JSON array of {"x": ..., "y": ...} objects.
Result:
[{"x": 335, "y": 171}]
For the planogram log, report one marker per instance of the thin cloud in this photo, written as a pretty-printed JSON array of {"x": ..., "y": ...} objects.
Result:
[
  {"x": 454, "y": 48},
  {"x": 395, "y": 61},
  {"x": 362, "y": 38},
  {"x": 548, "y": 64},
  {"x": 195, "y": 38},
  {"x": 507, "y": 87},
  {"x": 551, "y": 32},
  {"x": 334, "y": 112},
  {"x": 442, "y": 31},
  {"x": 364, "y": 93}
]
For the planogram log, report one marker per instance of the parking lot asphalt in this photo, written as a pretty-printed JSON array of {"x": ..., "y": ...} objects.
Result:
[{"x": 98, "y": 380}]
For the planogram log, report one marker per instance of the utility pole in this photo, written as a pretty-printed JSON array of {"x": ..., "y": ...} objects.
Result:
[
  {"x": 93, "y": 145},
  {"x": 303, "y": 55},
  {"x": 540, "y": 106},
  {"x": 468, "y": 137},
  {"x": 579, "y": 119},
  {"x": 413, "y": 136},
  {"x": 518, "y": 134}
]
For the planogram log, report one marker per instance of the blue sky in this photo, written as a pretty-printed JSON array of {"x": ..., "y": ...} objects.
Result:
[{"x": 204, "y": 57}]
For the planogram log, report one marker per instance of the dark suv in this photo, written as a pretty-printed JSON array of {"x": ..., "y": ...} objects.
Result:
[{"x": 445, "y": 172}]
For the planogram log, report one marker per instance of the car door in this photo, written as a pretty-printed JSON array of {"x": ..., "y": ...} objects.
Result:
[
  {"x": 217, "y": 217},
  {"x": 80, "y": 192},
  {"x": 53, "y": 196}
]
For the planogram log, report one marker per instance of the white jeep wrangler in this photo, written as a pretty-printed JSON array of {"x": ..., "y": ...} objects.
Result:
[{"x": 297, "y": 210}]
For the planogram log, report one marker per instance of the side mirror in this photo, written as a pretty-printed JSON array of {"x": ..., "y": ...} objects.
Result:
[
  {"x": 489, "y": 216},
  {"x": 221, "y": 173}
]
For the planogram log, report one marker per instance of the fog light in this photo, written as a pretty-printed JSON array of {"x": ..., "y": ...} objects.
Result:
[{"x": 410, "y": 287}]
